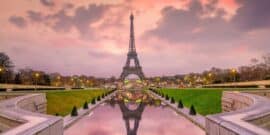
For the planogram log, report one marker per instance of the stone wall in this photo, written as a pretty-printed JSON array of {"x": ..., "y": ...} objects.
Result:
[
  {"x": 36, "y": 103},
  {"x": 7, "y": 123},
  {"x": 25, "y": 115},
  {"x": 263, "y": 122},
  {"x": 231, "y": 101},
  {"x": 243, "y": 113},
  {"x": 249, "y": 84},
  {"x": 263, "y": 93},
  {"x": 6, "y": 96}
]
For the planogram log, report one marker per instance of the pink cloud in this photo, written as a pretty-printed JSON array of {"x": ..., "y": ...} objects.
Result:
[{"x": 103, "y": 52}]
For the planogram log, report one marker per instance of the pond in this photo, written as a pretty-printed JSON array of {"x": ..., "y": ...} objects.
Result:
[{"x": 133, "y": 114}]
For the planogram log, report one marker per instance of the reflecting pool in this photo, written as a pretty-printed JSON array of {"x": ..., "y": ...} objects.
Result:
[{"x": 133, "y": 113}]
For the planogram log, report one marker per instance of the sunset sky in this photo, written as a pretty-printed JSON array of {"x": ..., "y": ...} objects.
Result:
[{"x": 172, "y": 36}]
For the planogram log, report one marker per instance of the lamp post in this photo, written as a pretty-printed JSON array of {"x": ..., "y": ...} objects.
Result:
[
  {"x": 36, "y": 78},
  {"x": 1, "y": 70},
  {"x": 210, "y": 77},
  {"x": 234, "y": 76},
  {"x": 81, "y": 83},
  {"x": 58, "y": 80},
  {"x": 72, "y": 83},
  {"x": 6, "y": 76},
  {"x": 87, "y": 83}
]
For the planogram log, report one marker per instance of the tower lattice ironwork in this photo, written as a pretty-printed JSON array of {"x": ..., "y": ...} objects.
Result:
[{"x": 132, "y": 55}]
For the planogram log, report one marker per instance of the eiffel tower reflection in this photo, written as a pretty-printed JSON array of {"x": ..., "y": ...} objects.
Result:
[
  {"x": 139, "y": 101},
  {"x": 129, "y": 115}
]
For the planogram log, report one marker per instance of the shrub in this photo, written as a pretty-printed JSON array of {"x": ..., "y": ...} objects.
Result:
[
  {"x": 74, "y": 111},
  {"x": 85, "y": 105},
  {"x": 98, "y": 98},
  {"x": 167, "y": 97},
  {"x": 192, "y": 110},
  {"x": 172, "y": 100},
  {"x": 93, "y": 101},
  {"x": 102, "y": 96},
  {"x": 180, "y": 104},
  {"x": 162, "y": 95}
]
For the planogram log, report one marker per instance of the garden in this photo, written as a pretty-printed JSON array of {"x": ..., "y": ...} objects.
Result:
[{"x": 62, "y": 102}]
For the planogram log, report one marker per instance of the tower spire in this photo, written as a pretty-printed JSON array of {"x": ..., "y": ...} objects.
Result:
[{"x": 132, "y": 40}]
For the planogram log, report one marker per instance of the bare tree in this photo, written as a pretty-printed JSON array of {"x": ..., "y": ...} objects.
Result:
[{"x": 6, "y": 68}]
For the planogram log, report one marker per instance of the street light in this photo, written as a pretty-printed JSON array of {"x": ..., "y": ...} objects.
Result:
[
  {"x": 36, "y": 76},
  {"x": 234, "y": 75},
  {"x": 72, "y": 83},
  {"x": 210, "y": 76},
  {"x": 58, "y": 80},
  {"x": 1, "y": 70},
  {"x": 87, "y": 83}
]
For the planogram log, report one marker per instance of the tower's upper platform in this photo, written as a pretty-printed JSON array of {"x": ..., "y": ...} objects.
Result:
[{"x": 131, "y": 16}]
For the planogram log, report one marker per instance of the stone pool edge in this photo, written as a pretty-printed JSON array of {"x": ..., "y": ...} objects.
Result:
[
  {"x": 197, "y": 119},
  {"x": 70, "y": 120}
]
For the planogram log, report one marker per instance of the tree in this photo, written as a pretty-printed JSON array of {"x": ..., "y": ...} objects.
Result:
[
  {"x": 93, "y": 101},
  {"x": 17, "y": 79},
  {"x": 47, "y": 80},
  {"x": 167, "y": 97},
  {"x": 162, "y": 95},
  {"x": 85, "y": 105},
  {"x": 266, "y": 59},
  {"x": 6, "y": 68},
  {"x": 98, "y": 98},
  {"x": 5, "y": 61},
  {"x": 192, "y": 110},
  {"x": 172, "y": 100},
  {"x": 56, "y": 79},
  {"x": 74, "y": 111},
  {"x": 180, "y": 104}
]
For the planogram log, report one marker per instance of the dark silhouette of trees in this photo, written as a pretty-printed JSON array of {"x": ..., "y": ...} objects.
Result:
[
  {"x": 6, "y": 66},
  {"x": 17, "y": 79},
  {"x": 47, "y": 80},
  {"x": 258, "y": 69}
]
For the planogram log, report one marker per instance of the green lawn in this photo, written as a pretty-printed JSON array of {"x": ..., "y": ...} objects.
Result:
[
  {"x": 62, "y": 102},
  {"x": 206, "y": 101}
]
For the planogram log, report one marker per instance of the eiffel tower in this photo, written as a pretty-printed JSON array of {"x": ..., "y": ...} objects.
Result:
[{"x": 132, "y": 54}]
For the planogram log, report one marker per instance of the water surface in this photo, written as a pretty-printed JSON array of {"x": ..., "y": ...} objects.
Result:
[
  {"x": 106, "y": 120},
  {"x": 125, "y": 119}
]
